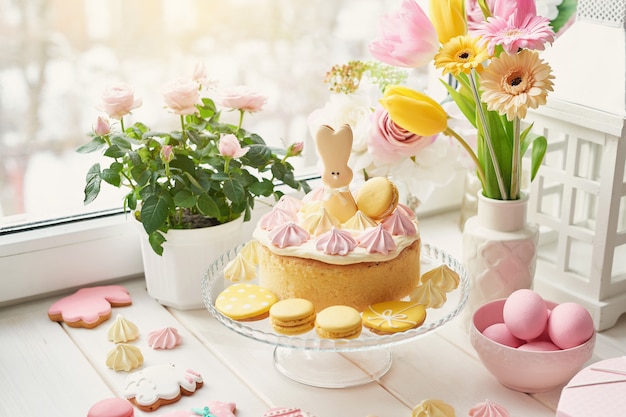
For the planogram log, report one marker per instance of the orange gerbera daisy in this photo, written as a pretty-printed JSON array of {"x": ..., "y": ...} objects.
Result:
[
  {"x": 513, "y": 83},
  {"x": 461, "y": 54}
]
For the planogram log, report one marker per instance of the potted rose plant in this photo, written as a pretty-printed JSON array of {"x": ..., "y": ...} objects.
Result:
[{"x": 203, "y": 177}]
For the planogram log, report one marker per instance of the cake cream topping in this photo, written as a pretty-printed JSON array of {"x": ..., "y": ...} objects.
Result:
[{"x": 336, "y": 242}]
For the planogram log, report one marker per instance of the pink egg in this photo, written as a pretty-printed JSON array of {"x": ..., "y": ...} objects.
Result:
[
  {"x": 525, "y": 314},
  {"x": 544, "y": 336},
  {"x": 499, "y": 333},
  {"x": 570, "y": 325},
  {"x": 539, "y": 346}
]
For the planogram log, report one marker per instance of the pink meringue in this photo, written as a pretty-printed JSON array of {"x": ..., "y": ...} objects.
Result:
[
  {"x": 276, "y": 217},
  {"x": 377, "y": 240},
  {"x": 399, "y": 224},
  {"x": 165, "y": 338},
  {"x": 336, "y": 242},
  {"x": 288, "y": 234},
  {"x": 488, "y": 409},
  {"x": 404, "y": 209},
  {"x": 289, "y": 203},
  {"x": 315, "y": 195}
]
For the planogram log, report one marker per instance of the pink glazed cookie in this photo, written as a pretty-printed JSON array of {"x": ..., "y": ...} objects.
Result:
[
  {"x": 89, "y": 307},
  {"x": 215, "y": 408},
  {"x": 111, "y": 407}
]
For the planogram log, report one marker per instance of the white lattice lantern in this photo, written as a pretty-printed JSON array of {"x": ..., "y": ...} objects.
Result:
[{"x": 579, "y": 195}]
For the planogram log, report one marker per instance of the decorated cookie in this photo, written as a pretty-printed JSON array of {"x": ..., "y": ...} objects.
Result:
[
  {"x": 292, "y": 316},
  {"x": 112, "y": 407},
  {"x": 394, "y": 316},
  {"x": 159, "y": 385},
  {"x": 338, "y": 322},
  {"x": 334, "y": 149},
  {"x": 165, "y": 338},
  {"x": 286, "y": 412},
  {"x": 89, "y": 307},
  {"x": 212, "y": 409},
  {"x": 245, "y": 302},
  {"x": 377, "y": 198},
  {"x": 124, "y": 357},
  {"x": 122, "y": 330}
]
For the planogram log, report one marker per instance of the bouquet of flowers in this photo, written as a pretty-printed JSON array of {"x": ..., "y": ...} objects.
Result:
[
  {"x": 206, "y": 173},
  {"x": 381, "y": 147},
  {"x": 495, "y": 76}
]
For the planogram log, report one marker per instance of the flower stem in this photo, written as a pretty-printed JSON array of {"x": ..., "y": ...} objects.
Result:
[
  {"x": 226, "y": 164},
  {"x": 516, "y": 162},
  {"x": 470, "y": 151},
  {"x": 492, "y": 154},
  {"x": 241, "y": 113}
]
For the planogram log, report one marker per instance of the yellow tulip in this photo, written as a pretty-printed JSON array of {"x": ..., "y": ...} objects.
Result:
[
  {"x": 414, "y": 111},
  {"x": 448, "y": 18}
]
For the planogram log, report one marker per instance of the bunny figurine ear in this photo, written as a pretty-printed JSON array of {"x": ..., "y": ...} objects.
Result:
[{"x": 334, "y": 148}]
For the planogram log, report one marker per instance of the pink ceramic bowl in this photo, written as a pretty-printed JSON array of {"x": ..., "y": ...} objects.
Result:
[{"x": 521, "y": 370}]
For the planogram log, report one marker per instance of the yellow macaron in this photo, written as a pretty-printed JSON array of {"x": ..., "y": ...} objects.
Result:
[
  {"x": 377, "y": 198},
  {"x": 245, "y": 302},
  {"x": 338, "y": 322},
  {"x": 292, "y": 316},
  {"x": 394, "y": 316}
]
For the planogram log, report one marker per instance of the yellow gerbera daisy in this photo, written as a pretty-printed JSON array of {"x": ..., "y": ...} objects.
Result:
[
  {"x": 461, "y": 54},
  {"x": 513, "y": 83}
]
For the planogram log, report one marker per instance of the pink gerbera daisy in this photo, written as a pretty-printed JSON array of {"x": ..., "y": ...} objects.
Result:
[{"x": 516, "y": 32}]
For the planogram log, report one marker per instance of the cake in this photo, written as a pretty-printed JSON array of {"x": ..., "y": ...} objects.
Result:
[{"x": 335, "y": 246}]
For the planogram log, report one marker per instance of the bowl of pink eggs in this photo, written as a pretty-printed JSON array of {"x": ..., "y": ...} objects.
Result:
[{"x": 530, "y": 344}]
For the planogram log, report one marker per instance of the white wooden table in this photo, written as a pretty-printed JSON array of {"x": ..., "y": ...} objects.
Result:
[{"x": 48, "y": 369}]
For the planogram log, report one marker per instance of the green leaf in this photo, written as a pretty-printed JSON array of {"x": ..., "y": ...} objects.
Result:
[
  {"x": 121, "y": 142},
  {"x": 540, "y": 146},
  {"x": 93, "y": 145},
  {"x": 234, "y": 191},
  {"x": 566, "y": 9},
  {"x": 156, "y": 240},
  {"x": 183, "y": 163},
  {"x": 207, "y": 206},
  {"x": 258, "y": 156},
  {"x": 154, "y": 212},
  {"x": 111, "y": 176},
  {"x": 185, "y": 199},
  {"x": 114, "y": 151},
  {"x": 263, "y": 188},
  {"x": 130, "y": 201},
  {"x": 92, "y": 186}
]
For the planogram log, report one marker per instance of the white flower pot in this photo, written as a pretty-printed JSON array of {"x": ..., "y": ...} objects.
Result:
[
  {"x": 174, "y": 278},
  {"x": 499, "y": 250}
]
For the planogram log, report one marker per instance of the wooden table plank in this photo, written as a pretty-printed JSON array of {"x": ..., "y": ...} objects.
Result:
[{"x": 42, "y": 371}]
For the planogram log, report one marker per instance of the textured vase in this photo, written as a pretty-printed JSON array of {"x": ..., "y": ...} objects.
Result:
[
  {"x": 499, "y": 250},
  {"x": 174, "y": 278}
]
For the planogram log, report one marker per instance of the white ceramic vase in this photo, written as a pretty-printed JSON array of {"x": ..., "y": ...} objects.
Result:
[
  {"x": 499, "y": 250},
  {"x": 174, "y": 278}
]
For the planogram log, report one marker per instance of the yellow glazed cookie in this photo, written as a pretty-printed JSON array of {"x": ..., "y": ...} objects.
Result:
[
  {"x": 394, "y": 316},
  {"x": 245, "y": 302},
  {"x": 292, "y": 316},
  {"x": 377, "y": 198},
  {"x": 338, "y": 322}
]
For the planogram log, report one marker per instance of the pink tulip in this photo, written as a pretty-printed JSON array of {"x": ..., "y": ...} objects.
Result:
[
  {"x": 504, "y": 9},
  {"x": 406, "y": 38},
  {"x": 242, "y": 98},
  {"x": 118, "y": 100},
  {"x": 181, "y": 96},
  {"x": 229, "y": 146},
  {"x": 390, "y": 143},
  {"x": 102, "y": 127}
]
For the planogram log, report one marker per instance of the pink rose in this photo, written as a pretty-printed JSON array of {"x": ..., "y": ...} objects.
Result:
[
  {"x": 295, "y": 149},
  {"x": 118, "y": 100},
  {"x": 167, "y": 153},
  {"x": 181, "y": 96},
  {"x": 229, "y": 146},
  {"x": 242, "y": 98},
  {"x": 406, "y": 38},
  {"x": 102, "y": 127},
  {"x": 390, "y": 143}
]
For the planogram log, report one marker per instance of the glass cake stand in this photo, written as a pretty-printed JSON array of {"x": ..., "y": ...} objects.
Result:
[{"x": 337, "y": 363}]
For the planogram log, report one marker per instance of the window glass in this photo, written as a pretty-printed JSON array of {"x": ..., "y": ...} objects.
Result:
[{"x": 58, "y": 56}]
